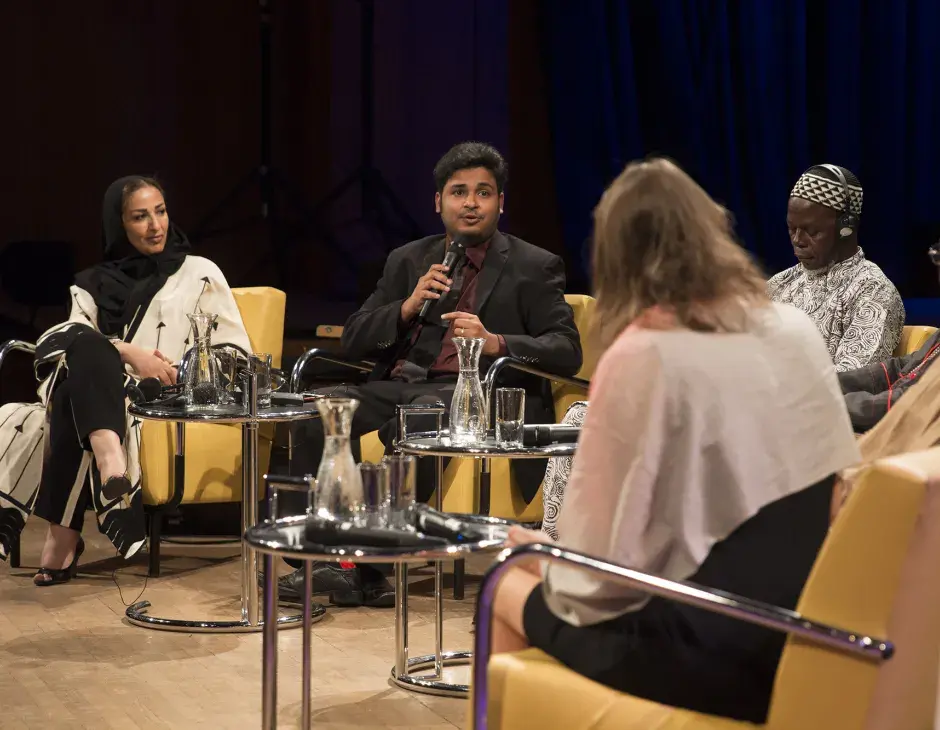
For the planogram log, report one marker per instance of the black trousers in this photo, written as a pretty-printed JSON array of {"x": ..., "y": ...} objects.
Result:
[
  {"x": 376, "y": 412},
  {"x": 91, "y": 398}
]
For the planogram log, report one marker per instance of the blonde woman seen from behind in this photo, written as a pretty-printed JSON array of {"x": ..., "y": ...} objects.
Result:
[{"x": 715, "y": 427}]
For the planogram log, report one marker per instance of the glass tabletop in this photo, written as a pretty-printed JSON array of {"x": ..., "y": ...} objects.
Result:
[
  {"x": 223, "y": 414},
  {"x": 431, "y": 444},
  {"x": 308, "y": 537}
]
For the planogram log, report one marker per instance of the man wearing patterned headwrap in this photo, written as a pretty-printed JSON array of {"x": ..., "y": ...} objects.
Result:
[{"x": 856, "y": 308}]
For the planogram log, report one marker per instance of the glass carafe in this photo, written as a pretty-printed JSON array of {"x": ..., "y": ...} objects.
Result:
[
  {"x": 202, "y": 388},
  {"x": 339, "y": 487},
  {"x": 468, "y": 408}
]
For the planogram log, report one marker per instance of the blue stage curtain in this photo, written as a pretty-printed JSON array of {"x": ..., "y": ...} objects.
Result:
[{"x": 745, "y": 95}]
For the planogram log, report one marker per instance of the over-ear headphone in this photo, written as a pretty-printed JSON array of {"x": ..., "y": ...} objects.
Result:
[{"x": 847, "y": 222}]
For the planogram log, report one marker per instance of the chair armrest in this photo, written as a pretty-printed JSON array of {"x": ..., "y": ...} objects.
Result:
[
  {"x": 15, "y": 345},
  {"x": 316, "y": 353},
  {"x": 727, "y": 604},
  {"x": 511, "y": 363}
]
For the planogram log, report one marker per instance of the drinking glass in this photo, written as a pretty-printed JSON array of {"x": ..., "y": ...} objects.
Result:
[
  {"x": 259, "y": 363},
  {"x": 402, "y": 476},
  {"x": 374, "y": 509},
  {"x": 228, "y": 362},
  {"x": 290, "y": 496},
  {"x": 510, "y": 417}
]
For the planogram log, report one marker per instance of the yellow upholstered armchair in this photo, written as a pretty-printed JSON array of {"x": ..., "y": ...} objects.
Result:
[
  {"x": 211, "y": 470},
  {"x": 875, "y": 576},
  {"x": 495, "y": 491},
  {"x": 913, "y": 338}
]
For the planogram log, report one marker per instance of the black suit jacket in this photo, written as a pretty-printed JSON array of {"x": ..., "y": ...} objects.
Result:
[{"x": 520, "y": 295}]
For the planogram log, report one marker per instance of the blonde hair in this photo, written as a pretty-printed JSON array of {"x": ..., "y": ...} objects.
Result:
[{"x": 661, "y": 241}]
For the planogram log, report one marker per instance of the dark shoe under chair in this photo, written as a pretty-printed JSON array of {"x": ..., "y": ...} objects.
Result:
[{"x": 344, "y": 586}]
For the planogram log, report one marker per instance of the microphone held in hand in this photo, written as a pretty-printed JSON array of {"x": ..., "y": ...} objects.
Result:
[
  {"x": 548, "y": 434},
  {"x": 455, "y": 252}
]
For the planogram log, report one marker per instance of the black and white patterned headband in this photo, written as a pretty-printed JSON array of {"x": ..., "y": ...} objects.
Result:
[{"x": 828, "y": 193}]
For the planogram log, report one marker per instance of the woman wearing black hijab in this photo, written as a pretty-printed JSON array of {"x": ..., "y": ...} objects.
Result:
[{"x": 128, "y": 322}]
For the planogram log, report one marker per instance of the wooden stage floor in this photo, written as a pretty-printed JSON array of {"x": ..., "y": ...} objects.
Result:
[{"x": 70, "y": 660}]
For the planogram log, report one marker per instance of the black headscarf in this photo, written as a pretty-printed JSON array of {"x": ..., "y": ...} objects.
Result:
[{"x": 127, "y": 279}]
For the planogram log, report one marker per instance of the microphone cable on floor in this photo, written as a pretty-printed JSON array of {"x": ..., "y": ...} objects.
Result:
[{"x": 121, "y": 592}]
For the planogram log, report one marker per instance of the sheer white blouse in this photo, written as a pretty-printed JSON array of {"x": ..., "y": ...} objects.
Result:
[{"x": 687, "y": 435}]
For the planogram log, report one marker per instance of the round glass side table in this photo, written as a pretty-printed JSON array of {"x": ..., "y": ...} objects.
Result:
[
  {"x": 296, "y": 538},
  {"x": 412, "y": 673},
  {"x": 250, "y": 418}
]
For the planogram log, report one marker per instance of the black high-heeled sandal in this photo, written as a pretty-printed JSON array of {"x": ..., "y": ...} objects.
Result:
[
  {"x": 116, "y": 487},
  {"x": 57, "y": 577}
]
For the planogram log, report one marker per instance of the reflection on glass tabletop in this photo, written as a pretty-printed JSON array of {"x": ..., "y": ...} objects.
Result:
[
  {"x": 433, "y": 444},
  {"x": 311, "y": 536},
  {"x": 223, "y": 414}
]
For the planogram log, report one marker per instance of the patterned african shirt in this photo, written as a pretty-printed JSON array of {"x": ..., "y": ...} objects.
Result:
[{"x": 856, "y": 308}]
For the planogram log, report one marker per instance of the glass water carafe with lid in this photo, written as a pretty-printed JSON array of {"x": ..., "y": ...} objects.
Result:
[
  {"x": 339, "y": 487},
  {"x": 468, "y": 407},
  {"x": 202, "y": 387}
]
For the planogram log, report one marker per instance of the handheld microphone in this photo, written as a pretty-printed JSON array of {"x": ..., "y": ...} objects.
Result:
[
  {"x": 456, "y": 251},
  {"x": 548, "y": 434},
  {"x": 438, "y": 524}
]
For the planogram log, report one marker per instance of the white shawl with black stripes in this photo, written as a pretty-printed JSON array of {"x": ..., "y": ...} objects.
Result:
[{"x": 198, "y": 285}]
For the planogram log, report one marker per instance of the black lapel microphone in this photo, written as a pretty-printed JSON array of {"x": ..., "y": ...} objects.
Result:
[
  {"x": 150, "y": 390},
  {"x": 455, "y": 252}
]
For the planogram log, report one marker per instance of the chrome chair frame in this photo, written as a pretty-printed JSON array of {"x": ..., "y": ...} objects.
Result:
[
  {"x": 15, "y": 345},
  {"x": 727, "y": 604},
  {"x": 318, "y": 353},
  {"x": 511, "y": 363},
  {"x": 493, "y": 375}
]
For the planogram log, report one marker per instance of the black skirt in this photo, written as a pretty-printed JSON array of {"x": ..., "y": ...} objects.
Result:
[{"x": 690, "y": 658}]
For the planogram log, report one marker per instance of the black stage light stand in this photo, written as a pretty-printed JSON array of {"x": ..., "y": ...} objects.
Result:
[
  {"x": 270, "y": 180},
  {"x": 379, "y": 206}
]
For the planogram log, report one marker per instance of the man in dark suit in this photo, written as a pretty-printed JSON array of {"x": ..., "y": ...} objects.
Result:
[{"x": 505, "y": 290}]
